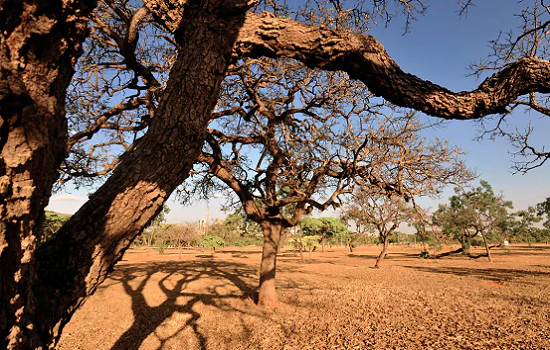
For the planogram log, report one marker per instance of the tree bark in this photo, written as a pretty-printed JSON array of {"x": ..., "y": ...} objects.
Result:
[
  {"x": 383, "y": 253},
  {"x": 267, "y": 294},
  {"x": 301, "y": 247},
  {"x": 39, "y": 45},
  {"x": 70, "y": 266},
  {"x": 465, "y": 242},
  {"x": 364, "y": 58},
  {"x": 489, "y": 257},
  {"x": 350, "y": 244}
]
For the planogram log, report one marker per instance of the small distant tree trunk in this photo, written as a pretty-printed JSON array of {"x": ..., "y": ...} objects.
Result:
[
  {"x": 465, "y": 245},
  {"x": 267, "y": 294},
  {"x": 350, "y": 244},
  {"x": 151, "y": 238},
  {"x": 279, "y": 245},
  {"x": 486, "y": 247},
  {"x": 323, "y": 245},
  {"x": 301, "y": 248},
  {"x": 385, "y": 242}
]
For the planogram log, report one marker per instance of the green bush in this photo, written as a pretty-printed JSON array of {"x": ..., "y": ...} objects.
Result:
[
  {"x": 161, "y": 245},
  {"x": 477, "y": 242},
  {"x": 248, "y": 241},
  {"x": 52, "y": 223},
  {"x": 212, "y": 242}
]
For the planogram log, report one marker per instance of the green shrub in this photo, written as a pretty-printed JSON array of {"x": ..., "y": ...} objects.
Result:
[
  {"x": 212, "y": 242},
  {"x": 248, "y": 241},
  {"x": 161, "y": 245},
  {"x": 477, "y": 242}
]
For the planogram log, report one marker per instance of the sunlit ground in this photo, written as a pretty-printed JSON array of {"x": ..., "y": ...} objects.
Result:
[{"x": 334, "y": 300}]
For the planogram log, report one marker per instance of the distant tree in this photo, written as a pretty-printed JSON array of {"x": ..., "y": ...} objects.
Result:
[
  {"x": 160, "y": 218},
  {"x": 326, "y": 228},
  {"x": 212, "y": 242},
  {"x": 543, "y": 211},
  {"x": 183, "y": 235},
  {"x": 311, "y": 242},
  {"x": 288, "y": 140},
  {"x": 421, "y": 221},
  {"x": 523, "y": 227},
  {"x": 453, "y": 221},
  {"x": 478, "y": 211},
  {"x": 237, "y": 229},
  {"x": 379, "y": 212},
  {"x": 53, "y": 222},
  {"x": 147, "y": 237}
]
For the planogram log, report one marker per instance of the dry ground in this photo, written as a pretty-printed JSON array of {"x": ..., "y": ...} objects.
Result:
[{"x": 333, "y": 301}]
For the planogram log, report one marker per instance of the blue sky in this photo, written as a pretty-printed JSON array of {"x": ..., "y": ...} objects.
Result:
[{"x": 439, "y": 47}]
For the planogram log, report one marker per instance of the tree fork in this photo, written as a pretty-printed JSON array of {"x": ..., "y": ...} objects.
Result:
[{"x": 70, "y": 266}]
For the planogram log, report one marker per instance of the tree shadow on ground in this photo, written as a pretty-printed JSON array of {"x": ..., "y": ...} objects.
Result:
[
  {"x": 390, "y": 256},
  {"x": 533, "y": 247},
  {"x": 176, "y": 276},
  {"x": 496, "y": 275},
  {"x": 245, "y": 252}
]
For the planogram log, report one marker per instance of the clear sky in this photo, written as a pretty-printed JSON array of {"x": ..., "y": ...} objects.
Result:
[{"x": 439, "y": 47}]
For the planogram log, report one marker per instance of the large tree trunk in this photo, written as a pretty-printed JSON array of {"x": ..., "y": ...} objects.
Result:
[
  {"x": 71, "y": 265},
  {"x": 267, "y": 294},
  {"x": 39, "y": 45},
  {"x": 384, "y": 252}
]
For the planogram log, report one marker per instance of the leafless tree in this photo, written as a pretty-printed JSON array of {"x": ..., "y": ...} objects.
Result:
[
  {"x": 425, "y": 169},
  {"x": 380, "y": 212},
  {"x": 529, "y": 42},
  {"x": 288, "y": 140}
]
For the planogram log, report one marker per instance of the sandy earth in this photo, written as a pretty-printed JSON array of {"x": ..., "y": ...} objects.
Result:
[{"x": 333, "y": 301}]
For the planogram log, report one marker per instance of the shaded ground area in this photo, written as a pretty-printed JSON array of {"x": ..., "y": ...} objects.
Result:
[{"x": 333, "y": 301}]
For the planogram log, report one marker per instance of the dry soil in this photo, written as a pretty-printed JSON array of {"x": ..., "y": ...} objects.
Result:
[{"x": 335, "y": 300}]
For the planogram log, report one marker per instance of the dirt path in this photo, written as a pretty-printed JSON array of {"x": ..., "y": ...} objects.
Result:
[{"x": 334, "y": 301}]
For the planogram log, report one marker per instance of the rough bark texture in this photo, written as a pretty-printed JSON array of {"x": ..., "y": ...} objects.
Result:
[
  {"x": 383, "y": 253},
  {"x": 70, "y": 266},
  {"x": 267, "y": 294},
  {"x": 365, "y": 59},
  {"x": 39, "y": 45}
]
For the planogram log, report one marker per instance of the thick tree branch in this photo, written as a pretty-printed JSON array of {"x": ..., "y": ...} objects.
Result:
[{"x": 365, "y": 59}]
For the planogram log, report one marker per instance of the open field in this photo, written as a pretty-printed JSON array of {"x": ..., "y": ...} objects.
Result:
[{"x": 333, "y": 301}]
